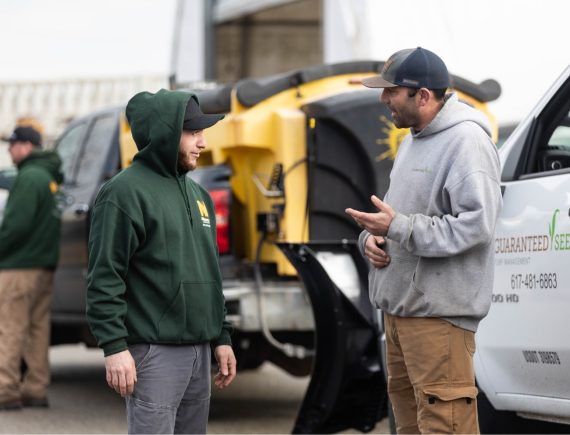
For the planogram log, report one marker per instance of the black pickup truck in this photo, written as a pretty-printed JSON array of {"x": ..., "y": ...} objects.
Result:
[{"x": 89, "y": 149}]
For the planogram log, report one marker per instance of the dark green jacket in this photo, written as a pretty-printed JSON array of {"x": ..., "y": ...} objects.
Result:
[
  {"x": 153, "y": 272},
  {"x": 29, "y": 234}
]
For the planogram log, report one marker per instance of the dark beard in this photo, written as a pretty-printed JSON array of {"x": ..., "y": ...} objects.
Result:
[{"x": 182, "y": 165}]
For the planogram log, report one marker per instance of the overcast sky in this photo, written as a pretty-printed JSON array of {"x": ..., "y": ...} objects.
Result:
[
  {"x": 43, "y": 39},
  {"x": 521, "y": 43}
]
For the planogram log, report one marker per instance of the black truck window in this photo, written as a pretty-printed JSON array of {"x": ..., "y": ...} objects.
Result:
[
  {"x": 101, "y": 137},
  {"x": 68, "y": 147}
]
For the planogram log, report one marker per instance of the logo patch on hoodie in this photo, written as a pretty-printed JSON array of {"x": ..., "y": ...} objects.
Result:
[{"x": 204, "y": 213}]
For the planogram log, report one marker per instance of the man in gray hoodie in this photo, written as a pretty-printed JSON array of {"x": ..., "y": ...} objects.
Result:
[{"x": 430, "y": 245}]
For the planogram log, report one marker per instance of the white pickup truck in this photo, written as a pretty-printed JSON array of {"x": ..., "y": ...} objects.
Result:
[{"x": 523, "y": 351}]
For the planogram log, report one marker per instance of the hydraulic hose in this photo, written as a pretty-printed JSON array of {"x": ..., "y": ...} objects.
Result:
[{"x": 289, "y": 349}]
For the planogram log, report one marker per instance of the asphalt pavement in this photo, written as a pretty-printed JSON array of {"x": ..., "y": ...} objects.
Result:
[{"x": 260, "y": 401}]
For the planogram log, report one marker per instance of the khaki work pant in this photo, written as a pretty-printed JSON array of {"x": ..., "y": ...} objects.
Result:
[
  {"x": 431, "y": 382},
  {"x": 25, "y": 298}
]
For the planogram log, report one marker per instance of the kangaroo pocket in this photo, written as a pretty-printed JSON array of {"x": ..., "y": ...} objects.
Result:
[
  {"x": 452, "y": 287},
  {"x": 391, "y": 287},
  {"x": 194, "y": 315}
]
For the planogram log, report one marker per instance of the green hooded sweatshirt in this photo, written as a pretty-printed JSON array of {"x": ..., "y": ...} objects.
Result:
[
  {"x": 29, "y": 234},
  {"x": 153, "y": 273}
]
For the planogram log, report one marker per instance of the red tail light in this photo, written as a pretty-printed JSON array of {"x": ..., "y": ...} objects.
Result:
[{"x": 221, "y": 200}]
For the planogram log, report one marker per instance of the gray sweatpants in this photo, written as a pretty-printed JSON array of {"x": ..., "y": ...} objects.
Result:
[{"x": 172, "y": 393}]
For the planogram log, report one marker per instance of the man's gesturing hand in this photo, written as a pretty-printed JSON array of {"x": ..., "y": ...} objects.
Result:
[
  {"x": 226, "y": 366},
  {"x": 121, "y": 372},
  {"x": 375, "y": 223}
]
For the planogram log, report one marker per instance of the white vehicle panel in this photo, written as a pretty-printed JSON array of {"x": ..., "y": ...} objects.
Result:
[
  {"x": 520, "y": 342},
  {"x": 522, "y": 362}
]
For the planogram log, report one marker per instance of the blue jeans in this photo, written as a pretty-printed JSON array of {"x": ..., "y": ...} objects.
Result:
[{"x": 172, "y": 393}]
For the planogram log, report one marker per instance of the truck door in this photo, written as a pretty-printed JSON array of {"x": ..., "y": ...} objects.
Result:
[
  {"x": 522, "y": 346},
  {"x": 89, "y": 150}
]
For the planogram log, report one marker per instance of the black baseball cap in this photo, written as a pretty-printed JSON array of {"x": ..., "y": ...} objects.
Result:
[
  {"x": 25, "y": 134},
  {"x": 195, "y": 119},
  {"x": 411, "y": 68}
]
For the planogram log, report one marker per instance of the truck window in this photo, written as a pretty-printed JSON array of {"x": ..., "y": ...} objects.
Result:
[
  {"x": 548, "y": 148},
  {"x": 560, "y": 138},
  {"x": 554, "y": 154},
  {"x": 67, "y": 147},
  {"x": 101, "y": 137},
  {"x": 96, "y": 148}
]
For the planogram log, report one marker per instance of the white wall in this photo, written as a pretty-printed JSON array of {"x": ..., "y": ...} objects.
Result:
[
  {"x": 520, "y": 43},
  {"x": 54, "y": 103}
]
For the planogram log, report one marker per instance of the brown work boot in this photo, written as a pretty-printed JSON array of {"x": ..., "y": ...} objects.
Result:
[
  {"x": 11, "y": 405},
  {"x": 35, "y": 402}
]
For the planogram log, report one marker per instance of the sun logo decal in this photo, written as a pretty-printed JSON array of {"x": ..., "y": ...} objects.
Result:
[{"x": 393, "y": 138}]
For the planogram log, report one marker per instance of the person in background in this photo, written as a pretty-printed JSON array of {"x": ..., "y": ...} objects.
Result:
[
  {"x": 154, "y": 297},
  {"x": 430, "y": 245},
  {"x": 29, "y": 252}
]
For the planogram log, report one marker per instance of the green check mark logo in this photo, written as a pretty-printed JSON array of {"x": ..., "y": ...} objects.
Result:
[{"x": 552, "y": 225}]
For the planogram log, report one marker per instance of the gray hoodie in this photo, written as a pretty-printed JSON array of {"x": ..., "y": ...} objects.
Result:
[{"x": 444, "y": 187}]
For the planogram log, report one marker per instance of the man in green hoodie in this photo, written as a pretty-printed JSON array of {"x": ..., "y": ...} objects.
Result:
[
  {"x": 29, "y": 251},
  {"x": 154, "y": 298}
]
